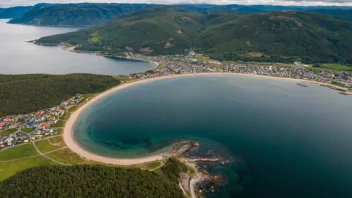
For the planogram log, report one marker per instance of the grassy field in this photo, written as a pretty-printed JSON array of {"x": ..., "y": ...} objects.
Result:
[
  {"x": 202, "y": 58},
  {"x": 11, "y": 168},
  {"x": 122, "y": 78},
  {"x": 153, "y": 165},
  {"x": 25, "y": 150},
  {"x": 26, "y": 130},
  {"x": 68, "y": 157},
  {"x": 95, "y": 37},
  {"x": 44, "y": 146},
  {"x": 60, "y": 123},
  {"x": 66, "y": 116},
  {"x": 57, "y": 140},
  {"x": 8, "y": 132},
  {"x": 331, "y": 66}
]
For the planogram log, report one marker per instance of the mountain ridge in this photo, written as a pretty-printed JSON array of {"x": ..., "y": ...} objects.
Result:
[
  {"x": 89, "y": 14},
  {"x": 285, "y": 36}
]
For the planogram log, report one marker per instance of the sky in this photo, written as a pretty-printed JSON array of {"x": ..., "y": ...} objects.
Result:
[{"x": 10, "y": 3}]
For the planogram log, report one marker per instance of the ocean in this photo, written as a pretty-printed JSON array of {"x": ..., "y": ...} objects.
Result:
[{"x": 292, "y": 141}]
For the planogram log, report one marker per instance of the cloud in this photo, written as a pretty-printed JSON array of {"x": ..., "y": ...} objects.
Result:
[{"x": 9, "y": 3}]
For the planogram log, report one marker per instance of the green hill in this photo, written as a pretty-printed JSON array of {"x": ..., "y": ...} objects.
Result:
[
  {"x": 280, "y": 36},
  {"x": 276, "y": 36},
  {"x": 8, "y": 13},
  {"x": 85, "y": 14},
  {"x": 157, "y": 31},
  {"x": 32, "y": 92}
]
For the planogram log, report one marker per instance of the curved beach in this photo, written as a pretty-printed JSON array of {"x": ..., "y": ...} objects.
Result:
[{"x": 75, "y": 147}]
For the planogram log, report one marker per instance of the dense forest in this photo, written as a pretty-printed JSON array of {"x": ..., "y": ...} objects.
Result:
[
  {"x": 88, "y": 181},
  {"x": 172, "y": 168},
  {"x": 83, "y": 14},
  {"x": 97, "y": 13},
  {"x": 8, "y": 13},
  {"x": 286, "y": 36},
  {"x": 32, "y": 92}
]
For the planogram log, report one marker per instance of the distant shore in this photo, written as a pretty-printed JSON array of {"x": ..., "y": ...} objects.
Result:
[{"x": 75, "y": 147}]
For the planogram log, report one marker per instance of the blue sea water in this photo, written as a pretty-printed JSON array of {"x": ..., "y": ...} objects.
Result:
[{"x": 293, "y": 141}]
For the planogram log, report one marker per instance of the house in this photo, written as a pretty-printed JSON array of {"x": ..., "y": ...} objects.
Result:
[
  {"x": 19, "y": 141},
  {"x": 29, "y": 126},
  {"x": 14, "y": 125},
  {"x": 44, "y": 125}
]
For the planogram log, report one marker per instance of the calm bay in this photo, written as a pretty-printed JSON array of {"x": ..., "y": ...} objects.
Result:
[
  {"x": 17, "y": 56},
  {"x": 295, "y": 141}
]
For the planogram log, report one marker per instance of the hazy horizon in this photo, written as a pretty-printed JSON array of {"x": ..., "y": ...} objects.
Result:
[{"x": 340, "y": 3}]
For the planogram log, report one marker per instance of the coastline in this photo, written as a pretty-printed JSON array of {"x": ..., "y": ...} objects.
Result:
[{"x": 75, "y": 147}]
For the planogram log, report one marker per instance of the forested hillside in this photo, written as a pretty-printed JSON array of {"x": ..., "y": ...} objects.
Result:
[
  {"x": 285, "y": 36},
  {"x": 280, "y": 37},
  {"x": 88, "y": 181},
  {"x": 8, "y": 13},
  {"x": 32, "y": 92},
  {"x": 85, "y": 14}
]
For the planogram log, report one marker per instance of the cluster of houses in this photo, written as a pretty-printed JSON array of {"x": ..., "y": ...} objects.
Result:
[
  {"x": 33, "y": 126},
  {"x": 172, "y": 65}
]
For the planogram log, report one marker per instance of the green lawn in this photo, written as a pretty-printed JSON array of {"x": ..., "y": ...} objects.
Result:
[
  {"x": 10, "y": 168},
  {"x": 191, "y": 171},
  {"x": 44, "y": 146},
  {"x": 25, "y": 150},
  {"x": 153, "y": 165},
  {"x": 66, "y": 116},
  {"x": 202, "y": 58},
  {"x": 332, "y": 66},
  {"x": 57, "y": 140},
  {"x": 95, "y": 37},
  {"x": 24, "y": 129},
  {"x": 74, "y": 108},
  {"x": 59, "y": 131},
  {"x": 8, "y": 132},
  {"x": 123, "y": 78},
  {"x": 60, "y": 123}
]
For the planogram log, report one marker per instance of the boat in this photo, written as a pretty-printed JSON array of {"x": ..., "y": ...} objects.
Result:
[{"x": 302, "y": 85}]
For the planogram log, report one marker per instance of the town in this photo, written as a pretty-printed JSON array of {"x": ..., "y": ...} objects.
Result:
[
  {"x": 172, "y": 65},
  {"x": 24, "y": 128}
]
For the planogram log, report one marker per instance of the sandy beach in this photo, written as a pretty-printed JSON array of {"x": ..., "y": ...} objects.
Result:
[{"x": 74, "y": 146}]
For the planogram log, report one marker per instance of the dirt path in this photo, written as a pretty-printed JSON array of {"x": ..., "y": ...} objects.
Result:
[
  {"x": 53, "y": 144},
  {"x": 42, "y": 154},
  {"x": 32, "y": 156}
]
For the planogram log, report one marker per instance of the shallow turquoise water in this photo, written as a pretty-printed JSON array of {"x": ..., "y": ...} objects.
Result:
[{"x": 295, "y": 141}]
